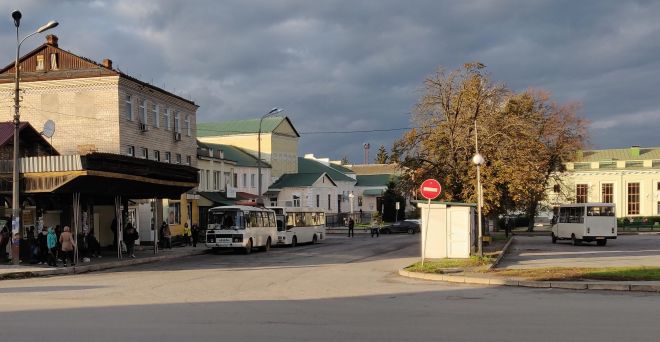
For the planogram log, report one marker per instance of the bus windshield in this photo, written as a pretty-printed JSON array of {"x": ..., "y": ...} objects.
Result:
[{"x": 227, "y": 219}]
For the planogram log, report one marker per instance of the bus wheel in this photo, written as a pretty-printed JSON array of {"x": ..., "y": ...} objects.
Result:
[
  {"x": 601, "y": 242},
  {"x": 576, "y": 242},
  {"x": 294, "y": 241},
  {"x": 314, "y": 240},
  {"x": 554, "y": 238},
  {"x": 248, "y": 247},
  {"x": 266, "y": 248}
]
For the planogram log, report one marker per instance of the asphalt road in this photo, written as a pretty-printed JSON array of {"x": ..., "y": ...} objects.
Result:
[
  {"x": 626, "y": 250},
  {"x": 341, "y": 290}
]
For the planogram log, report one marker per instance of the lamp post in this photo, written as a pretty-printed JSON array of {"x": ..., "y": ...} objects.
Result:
[
  {"x": 478, "y": 160},
  {"x": 16, "y": 211},
  {"x": 270, "y": 113}
]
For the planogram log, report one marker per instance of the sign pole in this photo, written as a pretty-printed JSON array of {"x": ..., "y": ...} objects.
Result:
[{"x": 428, "y": 214}]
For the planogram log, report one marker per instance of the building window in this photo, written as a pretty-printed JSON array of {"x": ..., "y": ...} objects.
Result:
[
  {"x": 329, "y": 202},
  {"x": 245, "y": 180},
  {"x": 144, "y": 153},
  {"x": 168, "y": 119},
  {"x": 54, "y": 62},
  {"x": 582, "y": 193},
  {"x": 40, "y": 62},
  {"x": 273, "y": 201},
  {"x": 608, "y": 193},
  {"x": 142, "y": 111},
  {"x": 296, "y": 201},
  {"x": 174, "y": 215},
  {"x": 178, "y": 158},
  {"x": 227, "y": 180},
  {"x": 188, "y": 128},
  {"x": 556, "y": 188},
  {"x": 252, "y": 178},
  {"x": 129, "y": 107},
  {"x": 633, "y": 198},
  {"x": 208, "y": 179},
  {"x": 168, "y": 157},
  {"x": 157, "y": 155},
  {"x": 359, "y": 201},
  {"x": 177, "y": 122},
  {"x": 318, "y": 201},
  {"x": 189, "y": 160},
  {"x": 216, "y": 180},
  {"x": 658, "y": 209},
  {"x": 235, "y": 184},
  {"x": 130, "y": 150},
  {"x": 155, "y": 115}
]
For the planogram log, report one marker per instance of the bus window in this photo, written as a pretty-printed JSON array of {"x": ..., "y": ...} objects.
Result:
[
  {"x": 600, "y": 211},
  {"x": 226, "y": 219}
]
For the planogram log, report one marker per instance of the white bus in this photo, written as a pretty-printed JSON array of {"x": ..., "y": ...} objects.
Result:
[
  {"x": 299, "y": 225},
  {"x": 241, "y": 227},
  {"x": 585, "y": 222}
]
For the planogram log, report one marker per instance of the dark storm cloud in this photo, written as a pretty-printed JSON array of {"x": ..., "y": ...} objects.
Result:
[{"x": 356, "y": 65}]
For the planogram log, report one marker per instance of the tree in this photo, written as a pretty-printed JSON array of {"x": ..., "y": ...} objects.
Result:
[
  {"x": 381, "y": 156},
  {"x": 394, "y": 155},
  {"x": 389, "y": 199},
  {"x": 524, "y": 137}
]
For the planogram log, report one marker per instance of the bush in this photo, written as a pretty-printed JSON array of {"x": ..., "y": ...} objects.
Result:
[{"x": 638, "y": 221}]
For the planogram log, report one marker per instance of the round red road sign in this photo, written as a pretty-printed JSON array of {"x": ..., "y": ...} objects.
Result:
[{"x": 430, "y": 189}]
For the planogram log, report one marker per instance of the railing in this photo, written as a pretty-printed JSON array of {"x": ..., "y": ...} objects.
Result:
[{"x": 44, "y": 164}]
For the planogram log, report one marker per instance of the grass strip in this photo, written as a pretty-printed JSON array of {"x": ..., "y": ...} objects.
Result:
[
  {"x": 436, "y": 266},
  {"x": 601, "y": 273}
]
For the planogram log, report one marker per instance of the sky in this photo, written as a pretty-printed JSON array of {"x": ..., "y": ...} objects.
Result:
[{"x": 345, "y": 66}]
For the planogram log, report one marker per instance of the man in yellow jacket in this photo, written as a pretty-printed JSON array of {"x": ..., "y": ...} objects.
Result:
[{"x": 186, "y": 234}]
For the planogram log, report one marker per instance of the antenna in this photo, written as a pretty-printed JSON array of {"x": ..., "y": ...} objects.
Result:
[{"x": 49, "y": 129}]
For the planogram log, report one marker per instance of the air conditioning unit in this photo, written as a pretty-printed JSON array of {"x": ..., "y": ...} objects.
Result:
[
  {"x": 177, "y": 136},
  {"x": 143, "y": 127}
]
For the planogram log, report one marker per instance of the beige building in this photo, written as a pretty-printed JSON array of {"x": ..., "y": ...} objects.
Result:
[
  {"x": 97, "y": 108},
  {"x": 279, "y": 141},
  {"x": 629, "y": 178}
]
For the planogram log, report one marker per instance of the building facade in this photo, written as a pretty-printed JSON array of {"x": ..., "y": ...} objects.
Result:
[{"x": 629, "y": 178}]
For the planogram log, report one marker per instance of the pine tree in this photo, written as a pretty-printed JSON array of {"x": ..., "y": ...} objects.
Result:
[{"x": 381, "y": 156}]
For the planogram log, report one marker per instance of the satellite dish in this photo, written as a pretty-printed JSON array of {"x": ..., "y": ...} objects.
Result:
[{"x": 49, "y": 129}]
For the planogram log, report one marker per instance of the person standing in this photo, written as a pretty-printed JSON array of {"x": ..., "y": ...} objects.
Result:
[
  {"x": 186, "y": 234},
  {"x": 194, "y": 234},
  {"x": 167, "y": 235},
  {"x": 51, "y": 244},
  {"x": 351, "y": 225},
  {"x": 130, "y": 236},
  {"x": 42, "y": 241},
  {"x": 68, "y": 244}
]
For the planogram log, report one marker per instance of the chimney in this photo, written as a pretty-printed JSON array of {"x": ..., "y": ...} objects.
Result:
[
  {"x": 51, "y": 39},
  {"x": 107, "y": 63},
  {"x": 634, "y": 151}
]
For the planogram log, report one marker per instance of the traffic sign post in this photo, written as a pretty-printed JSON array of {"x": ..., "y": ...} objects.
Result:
[{"x": 430, "y": 189}]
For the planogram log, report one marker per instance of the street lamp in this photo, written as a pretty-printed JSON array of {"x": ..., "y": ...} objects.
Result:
[
  {"x": 478, "y": 160},
  {"x": 16, "y": 211},
  {"x": 270, "y": 113}
]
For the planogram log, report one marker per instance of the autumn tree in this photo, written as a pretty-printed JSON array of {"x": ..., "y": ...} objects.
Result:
[
  {"x": 524, "y": 137},
  {"x": 381, "y": 156}
]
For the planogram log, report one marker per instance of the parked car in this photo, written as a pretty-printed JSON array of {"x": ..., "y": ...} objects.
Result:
[{"x": 407, "y": 226}]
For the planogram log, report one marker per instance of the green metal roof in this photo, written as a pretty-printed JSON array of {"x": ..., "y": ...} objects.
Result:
[
  {"x": 217, "y": 197},
  {"x": 250, "y": 126},
  {"x": 233, "y": 153},
  {"x": 296, "y": 180},
  {"x": 374, "y": 180},
  {"x": 312, "y": 166},
  {"x": 645, "y": 153},
  {"x": 373, "y": 192}
]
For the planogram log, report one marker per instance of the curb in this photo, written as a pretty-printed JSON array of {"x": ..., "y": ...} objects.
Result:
[
  {"x": 99, "y": 267},
  {"x": 476, "y": 280},
  {"x": 504, "y": 250}
]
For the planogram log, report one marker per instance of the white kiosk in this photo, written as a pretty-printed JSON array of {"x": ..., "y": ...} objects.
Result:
[{"x": 451, "y": 229}]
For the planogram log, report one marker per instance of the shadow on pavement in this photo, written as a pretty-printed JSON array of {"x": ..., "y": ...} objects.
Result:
[{"x": 47, "y": 288}]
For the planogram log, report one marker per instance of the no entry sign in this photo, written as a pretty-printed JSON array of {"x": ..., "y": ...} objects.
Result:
[{"x": 430, "y": 189}]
